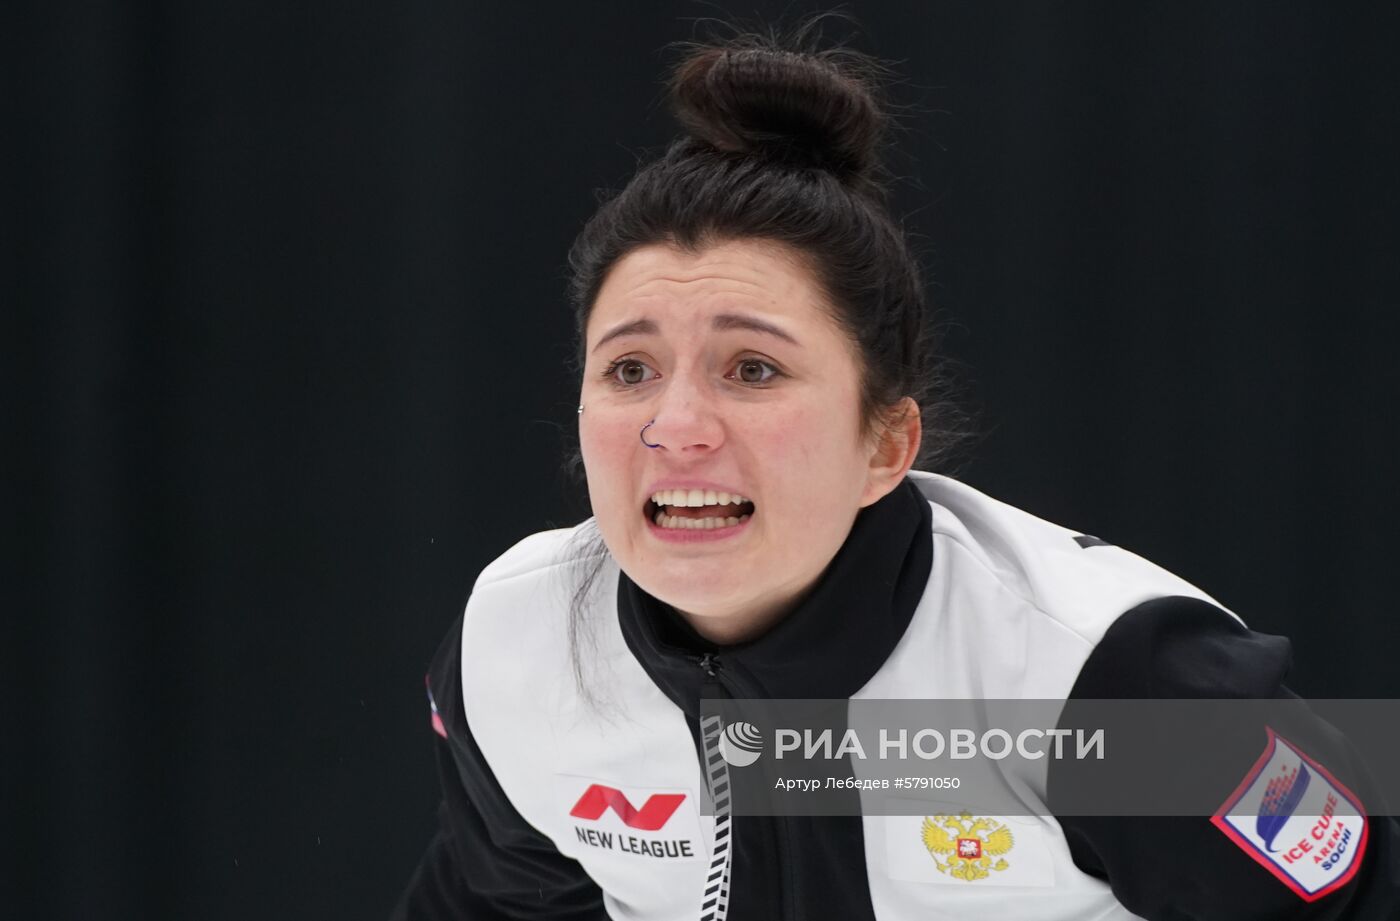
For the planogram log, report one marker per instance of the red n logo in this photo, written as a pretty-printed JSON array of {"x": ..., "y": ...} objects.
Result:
[{"x": 598, "y": 799}]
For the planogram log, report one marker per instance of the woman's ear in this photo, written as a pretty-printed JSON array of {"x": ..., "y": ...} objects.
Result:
[{"x": 895, "y": 450}]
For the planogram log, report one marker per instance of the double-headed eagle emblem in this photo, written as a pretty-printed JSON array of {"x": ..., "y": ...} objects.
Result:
[{"x": 965, "y": 848}]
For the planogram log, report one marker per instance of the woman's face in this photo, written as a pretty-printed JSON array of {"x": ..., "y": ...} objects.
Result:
[{"x": 755, "y": 395}]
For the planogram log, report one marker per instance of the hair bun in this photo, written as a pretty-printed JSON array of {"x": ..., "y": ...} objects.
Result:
[{"x": 811, "y": 108}]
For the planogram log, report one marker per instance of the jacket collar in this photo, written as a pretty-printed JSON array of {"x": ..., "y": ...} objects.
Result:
[{"x": 830, "y": 645}]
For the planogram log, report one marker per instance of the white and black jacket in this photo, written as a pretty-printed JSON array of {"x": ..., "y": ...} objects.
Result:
[{"x": 561, "y": 805}]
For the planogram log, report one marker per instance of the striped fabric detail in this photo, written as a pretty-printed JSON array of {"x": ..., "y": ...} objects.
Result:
[{"x": 715, "y": 905}]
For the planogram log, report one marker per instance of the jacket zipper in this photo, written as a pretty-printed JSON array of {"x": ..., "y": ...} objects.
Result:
[
  {"x": 716, "y": 686},
  {"x": 709, "y": 664}
]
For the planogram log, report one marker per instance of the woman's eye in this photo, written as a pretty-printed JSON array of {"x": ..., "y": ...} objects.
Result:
[
  {"x": 630, "y": 371},
  {"x": 754, "y": 371}
]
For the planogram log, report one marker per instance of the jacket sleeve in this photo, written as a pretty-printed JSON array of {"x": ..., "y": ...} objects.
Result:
[
  {"x": 485, "y": 863},
  {"x": 1186, "y": 868}
]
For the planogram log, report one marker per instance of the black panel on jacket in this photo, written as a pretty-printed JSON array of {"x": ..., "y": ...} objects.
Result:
[
  {"x": 832, "y": 644},
  {"x": 486, "y": 863},
  {"x": 829, "y": 647},
  {"x": 1184, "y": 868}
]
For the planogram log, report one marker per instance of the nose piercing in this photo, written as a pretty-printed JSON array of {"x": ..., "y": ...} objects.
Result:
[{"x": 643, "y": 435}]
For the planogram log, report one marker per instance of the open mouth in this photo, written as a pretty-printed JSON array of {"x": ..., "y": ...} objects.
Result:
[{"x": 697, "y": 509}]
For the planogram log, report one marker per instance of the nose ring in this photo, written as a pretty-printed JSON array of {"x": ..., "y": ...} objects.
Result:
[{"x": 643, "y": 435}]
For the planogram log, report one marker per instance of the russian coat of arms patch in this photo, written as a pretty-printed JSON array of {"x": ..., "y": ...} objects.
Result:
[{"x": 966, "y": 848}]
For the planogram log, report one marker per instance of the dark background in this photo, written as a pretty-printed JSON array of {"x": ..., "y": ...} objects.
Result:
[{"x": 287, "y": 337}]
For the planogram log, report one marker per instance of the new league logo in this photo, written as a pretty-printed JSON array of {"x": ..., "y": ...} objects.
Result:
[
  {"x": 655, "y": 812},
  {"x": 602, "y": 807}
]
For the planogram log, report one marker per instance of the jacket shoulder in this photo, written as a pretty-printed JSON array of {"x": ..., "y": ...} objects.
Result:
[
  {"x": 543, "y": 551},
  {"x": 519, "y": 605},
  {"x": 1079, "y": 582},
  {"x": 517, "y": 625}
]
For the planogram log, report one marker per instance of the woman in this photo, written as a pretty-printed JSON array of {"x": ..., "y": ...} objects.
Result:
[{"x": 756, "y": 392}]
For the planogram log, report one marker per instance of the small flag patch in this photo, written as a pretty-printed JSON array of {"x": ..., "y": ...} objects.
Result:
[{"x": 438, "y": 727}]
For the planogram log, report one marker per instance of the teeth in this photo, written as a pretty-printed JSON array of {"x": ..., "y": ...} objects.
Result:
[
  {"x": 676, "y": 522},
  {"x": 695, "y": 498}
]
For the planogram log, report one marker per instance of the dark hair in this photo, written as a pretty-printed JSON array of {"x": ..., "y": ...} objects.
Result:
[{"x": 782, "y": 145}]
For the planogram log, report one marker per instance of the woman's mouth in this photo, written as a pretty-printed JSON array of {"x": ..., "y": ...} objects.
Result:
[{"x": 697, "y": 509}]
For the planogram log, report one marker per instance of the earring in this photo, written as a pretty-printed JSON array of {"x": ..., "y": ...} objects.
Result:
[{"x": 580, "y": 409}]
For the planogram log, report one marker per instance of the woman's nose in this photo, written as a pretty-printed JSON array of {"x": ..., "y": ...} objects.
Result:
[{"x": 684, "y": 421}]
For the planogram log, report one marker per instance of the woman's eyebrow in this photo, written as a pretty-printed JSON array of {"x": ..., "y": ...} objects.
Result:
[
  {"x": 635, "y": 327},
  {"x": 726, "y": 321},
  {"x": 721, "y": 323}
]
